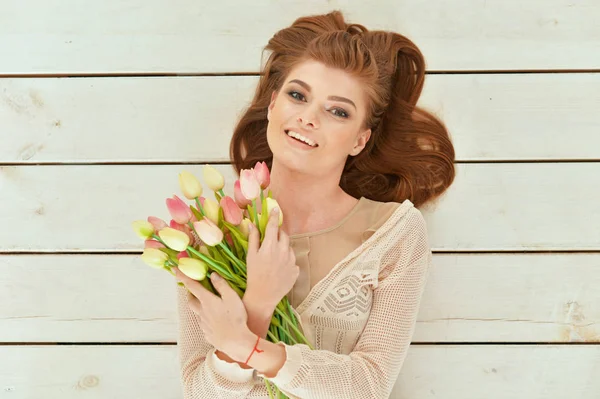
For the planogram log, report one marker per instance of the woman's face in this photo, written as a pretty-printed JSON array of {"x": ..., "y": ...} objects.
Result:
[{"x": 316, "y": 119}]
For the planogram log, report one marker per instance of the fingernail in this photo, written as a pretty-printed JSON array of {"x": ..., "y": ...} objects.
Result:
[
  {"x": 275, "y": 211},
  {"x": 215, "y": 276}
]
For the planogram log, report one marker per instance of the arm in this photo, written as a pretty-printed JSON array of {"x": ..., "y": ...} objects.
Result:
[
  {"x": 203, "y": 375},
  {"x": 372, "y": 369},
  {"x": 259, "y": 319}
]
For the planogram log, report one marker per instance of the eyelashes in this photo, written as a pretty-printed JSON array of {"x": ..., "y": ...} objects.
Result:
[{"x": 336, "y": 111}]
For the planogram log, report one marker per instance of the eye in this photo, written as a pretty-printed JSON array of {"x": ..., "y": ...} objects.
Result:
[
  {"x": 296, "y": 95},
  {"x": 339, "y": 112}
]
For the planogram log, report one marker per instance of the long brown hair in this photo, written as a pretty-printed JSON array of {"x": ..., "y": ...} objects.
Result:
[{"x": 409, "y": 155}]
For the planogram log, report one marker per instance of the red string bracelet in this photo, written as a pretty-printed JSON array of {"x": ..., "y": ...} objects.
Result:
[{"x": 254, "y": 350}]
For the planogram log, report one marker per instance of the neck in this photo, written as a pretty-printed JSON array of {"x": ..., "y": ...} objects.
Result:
[{"x": 306, "y": 200}]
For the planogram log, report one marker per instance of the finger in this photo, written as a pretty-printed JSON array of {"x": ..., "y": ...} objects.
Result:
[
  {"x": 253, "y": 239},
  {"x": 195, "y": 287},
  {"x": 222, "y": 286},
  {"x": 272, "y": 226},
  {"x": 195, "y": 305},
  {"x": 292, "y": 256}
]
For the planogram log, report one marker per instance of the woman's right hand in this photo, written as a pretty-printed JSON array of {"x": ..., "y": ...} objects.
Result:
[{"x": 271, "y": 266}]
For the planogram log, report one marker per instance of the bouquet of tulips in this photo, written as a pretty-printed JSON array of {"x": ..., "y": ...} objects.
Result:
[{"x": 212, "y": 236}]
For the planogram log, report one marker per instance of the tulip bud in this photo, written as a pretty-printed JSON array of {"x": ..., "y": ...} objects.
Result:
[
  {"x": 209, "y": 233},
  {"x": 214, "y": 179},
  {"x": 204, "y": 250},
  {"x": 174, "y": 239},
  {"x": 245, "y": 227},
  {"x": 179, "y": 210},
  {"x": 231, "y": 212},
  {"x": 143, "y": 228},
  {"x": 249, "y": 185},
  {"x": 182, "y": 254},
  {"x": 211, "y": 209},
  {"x": 242, "y": 201},
  {"x": 190, "y": 186},
  {"x": 182, "y": 227},
  {"x": 158, "y": 223},
  {"x": 261, "y": 170},
  {"x": 154, "y": 257},
  {"x": 153, "y": 244},
  {"x": 193, "y": 268},
  {"x": 271, "y": 204}
]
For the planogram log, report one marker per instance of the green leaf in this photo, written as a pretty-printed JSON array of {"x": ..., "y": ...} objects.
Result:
[
  {"x": 237, "y": 237},
  {"x": 196, "y": 213},
  {"x": 264, "y": 218}
]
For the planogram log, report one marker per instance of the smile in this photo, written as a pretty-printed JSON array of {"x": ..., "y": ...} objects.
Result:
[{"x": 301, "y": 138}]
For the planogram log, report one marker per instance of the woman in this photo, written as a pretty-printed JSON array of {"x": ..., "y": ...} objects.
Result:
[{"x": 351, "y": 158}]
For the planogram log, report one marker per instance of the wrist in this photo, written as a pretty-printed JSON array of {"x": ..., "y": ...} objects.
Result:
[
  {"x": 243, "y": 346},
  {"x": 257, "y": 306}
]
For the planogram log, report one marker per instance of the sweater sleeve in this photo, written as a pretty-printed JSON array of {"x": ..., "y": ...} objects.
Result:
[
  {"x": 203, "y": 374},
  {"x": 372, "y": 368}
]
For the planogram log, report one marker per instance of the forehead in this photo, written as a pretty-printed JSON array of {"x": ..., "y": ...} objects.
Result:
[{"x": 328, "y": 81}]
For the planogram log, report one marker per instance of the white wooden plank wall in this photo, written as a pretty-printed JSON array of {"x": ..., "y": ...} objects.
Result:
[{"x": 91, "y": 92}]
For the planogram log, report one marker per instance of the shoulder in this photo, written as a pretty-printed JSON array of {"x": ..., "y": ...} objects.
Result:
[{"x": 379, "y": 213}]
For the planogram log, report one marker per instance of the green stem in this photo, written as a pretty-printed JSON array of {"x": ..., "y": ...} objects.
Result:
[
  {"x": 255, "y": 216},
  {"x": 292, "y": 340},
  {"x": 231, "y": 277},
  {"x": 234, "y": 258},
  {"x": 273, "y": 337},
  {"x": 221, "y": 193},
  {"x": 293, "y": 326},
  {"x": 157, "y": 238},
  {"x": 200, "y": 207}
]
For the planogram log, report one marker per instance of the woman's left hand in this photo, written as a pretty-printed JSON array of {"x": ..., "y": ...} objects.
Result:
[{"x": 223, "y": 320}]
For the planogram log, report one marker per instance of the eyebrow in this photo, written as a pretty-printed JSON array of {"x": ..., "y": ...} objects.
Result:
[{"x": 334, "y": 98}]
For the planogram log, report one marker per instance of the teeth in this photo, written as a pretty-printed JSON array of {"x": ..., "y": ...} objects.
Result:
[{"x": 301, "y": 138}]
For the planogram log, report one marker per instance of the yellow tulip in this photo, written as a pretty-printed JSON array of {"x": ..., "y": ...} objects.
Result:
[
  {"x": 213, "y": 178},
  {"x": 211, "y": 209},
  {"x": 193, "y": 268},
  {"x": 154, "y": 257},
  {"x": 190, "y": 186},
  {"x": 245, "y": 227},
  {"x": 143, "y": 228},
  {"x": 271, "y": 204},
  {"x": 174, "y": 239}
]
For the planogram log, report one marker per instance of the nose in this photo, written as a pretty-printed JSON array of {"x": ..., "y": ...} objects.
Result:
[{"x": 308, "y": 119}]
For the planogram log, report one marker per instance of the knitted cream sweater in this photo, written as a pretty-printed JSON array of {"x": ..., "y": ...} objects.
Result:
[{"x": 359, "y": 318}]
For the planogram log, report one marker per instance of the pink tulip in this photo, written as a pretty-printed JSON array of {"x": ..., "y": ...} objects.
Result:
[
  {"x": 208, "y": 232},
  {"x": 182, "y": 254},
  {"x": 261, "y": 170},
  {"x": 153, "y": 244},
  {"x": 179, "y": 210},
  {"x": 242, "y": 201},
  {"x": 249, "y": 184},
  {"x": 183, "y": 228},
  {"x": 231, "y": 212},
  {"x": 158, "y": 223}
]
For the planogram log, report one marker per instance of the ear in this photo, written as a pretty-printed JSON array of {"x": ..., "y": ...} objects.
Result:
[
  {"x": 361, "y": 142},
  {"x": 271, "y": 104}
]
